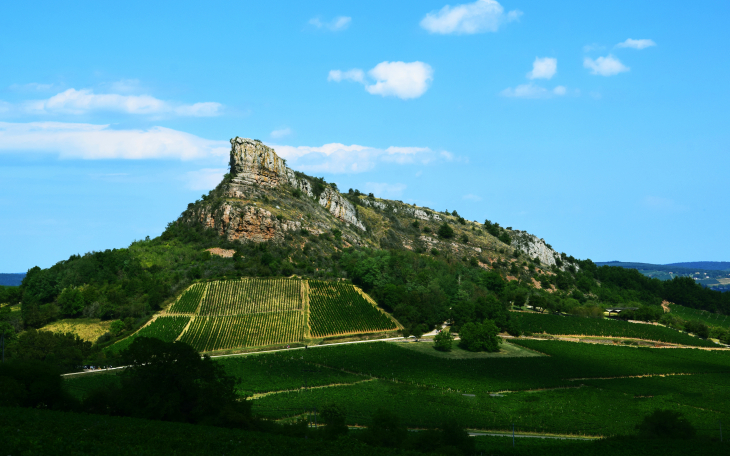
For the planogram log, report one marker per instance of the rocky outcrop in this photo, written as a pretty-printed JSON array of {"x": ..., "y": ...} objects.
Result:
[
  {"x": 405, "y": 209},
  {"x": 340, "y": 207},
  {"x": 244, "y": 223},
  {"x": 534, "y": 247}
]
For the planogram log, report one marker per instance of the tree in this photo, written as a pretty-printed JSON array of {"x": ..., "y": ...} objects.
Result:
[
  {"x": 417, "y": 332},
  {"x": 334, "y": 419},
  {"x": 480, "y": 337},
  {"x": 505, "y": 238},
  {"x": 65, "y": 352},
  {"x": 170, "y": 381},
  {"x": 386, "y": 430},
  {"x": 32, "y": 383},
  {"x": 666, "y": 424},
  {"x": 445, "y": 231},
  {"x": 443, "y": 340}
]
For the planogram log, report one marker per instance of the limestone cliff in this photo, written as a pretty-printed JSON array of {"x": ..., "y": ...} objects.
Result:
[{"x": 534, "y": 247}]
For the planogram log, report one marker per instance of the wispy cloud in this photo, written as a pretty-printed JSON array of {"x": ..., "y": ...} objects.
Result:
[
  {"x": 276, "y": 134},
  {"x": 335, "y": 25},
  {"x": 531, "y": 90},
  {"x": 478, "y": 17},
  {"x": 398, "y": 79},
  {"x": 384, "y": 190},
  {"x": 204, "y": 179},
  {"x": 636, "y": 44},
  {"x": 31, "y": 87},
  {"x": 83, "y": 101},
  {"x": 543, "y": 68},
  {"x": 605, "y": 66},
  {"x": 89, "y": 141}
]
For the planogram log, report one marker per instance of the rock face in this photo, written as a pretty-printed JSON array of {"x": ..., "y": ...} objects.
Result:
[
  {"x": 534, "y": 247},
  {"x": 254, "y": 163},
  {"x": 340, "y": 207},
  {"x": 247, "y": 223}
]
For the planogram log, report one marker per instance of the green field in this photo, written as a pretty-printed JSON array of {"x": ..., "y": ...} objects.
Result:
[
  {"x": 568, "y": 325},
  {"x": 710, "y": 319},
  {"x": 164, "y": 328},
  {"x": 189, "y": 299},
  {"x": 259, "y": 329}
]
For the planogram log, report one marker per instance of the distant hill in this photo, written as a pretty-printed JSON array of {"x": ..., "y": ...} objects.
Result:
[
  {"x": 11, "y": 280},
  {"x": 708, "y": 265}
]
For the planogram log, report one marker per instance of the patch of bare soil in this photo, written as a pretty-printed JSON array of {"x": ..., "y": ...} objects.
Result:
[{"x": 222, "y": 252}]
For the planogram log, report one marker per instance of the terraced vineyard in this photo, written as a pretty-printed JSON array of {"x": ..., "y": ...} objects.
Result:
[
  {"x": 338, "y": 308},
  {"x": 164, "y": 328},
  {"x": 236, "y": 297},
  {"x": 216, "y": 333},
  {"x": 189, "y": 300},
  {"x": 556, "y": 324}
]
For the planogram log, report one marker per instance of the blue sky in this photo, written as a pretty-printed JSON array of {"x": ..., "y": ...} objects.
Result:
[{"x": 601, "y": 127}]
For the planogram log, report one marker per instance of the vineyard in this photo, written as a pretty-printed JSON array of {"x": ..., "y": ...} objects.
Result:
[
  {"x": 165, "y": 328},
  {"x": 710, "y": 319},
  {"x": 556, "y": 324},
  {"x": 189, "y": 300},
  {"x": 234, "y": 297},
  {"x": 216, "y": 333},
  {"x": 338, "y": 308},
  {"x": 232, "y": 314}
]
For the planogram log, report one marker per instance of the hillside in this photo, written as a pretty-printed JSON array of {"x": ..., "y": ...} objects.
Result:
[
  {"x": 715, "y": 276},
  {"x": 266, "y": 220}
]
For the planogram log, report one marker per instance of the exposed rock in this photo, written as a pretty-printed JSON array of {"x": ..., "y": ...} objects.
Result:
[
  {"x": 244, "y": 223},
  {"x": 221, "y": 252},
  {"x": 340, "y": 207},
  {"x": 534, "y": 247}
]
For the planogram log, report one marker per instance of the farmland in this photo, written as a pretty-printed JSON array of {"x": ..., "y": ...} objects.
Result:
[
  {"x": 557, "y": 324},
  {"x": 235, "y": 314},
  {"x": 338, "y": 308},
  {"x": 164, "y": 328},
  {"x": 260, "y": 329},
  {"x": 710, "y": 319}
]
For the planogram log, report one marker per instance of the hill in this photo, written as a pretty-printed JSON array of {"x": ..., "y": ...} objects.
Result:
[
  {"x": 714, "y": 276},
  {"x": 705, "y": 265},
  {"x": 11, "y": 280},
  {"x": 266, "y": 220}
]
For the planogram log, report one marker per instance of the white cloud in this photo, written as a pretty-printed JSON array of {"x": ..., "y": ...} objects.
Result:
[
  {"x": 341, "y": 158},
  {"x": 276, "y": 134},
  {"x": 384, "y": 190},
  {"x": 335, "y": 25},
  {"x": 636, "y": 44},
  {"x": 31, "y": 87},
  {"x": 605, "y": 66},
  {"x": 83, "y": 101},
  {"x": 205, "y": 179},
  {"x": 398, "y": 79},
  {"x": 478, "y": 17},
  {"x": 530, "y": 90},
  {"x": 89, "y": 141},
  {"x": 593, "y": 47},
  {"x": 543, "y": 68},
  {"x": 472, "y": 197},
  {"x": 354, "y": 75}
]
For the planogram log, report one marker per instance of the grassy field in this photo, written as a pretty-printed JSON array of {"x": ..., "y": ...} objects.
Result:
[
  {"x": 506, "y": 350},
  {"x": 89, "y": 329}
]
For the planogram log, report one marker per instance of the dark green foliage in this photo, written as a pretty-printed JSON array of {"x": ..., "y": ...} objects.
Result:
[
  {"x": 697, "y": 328},
  {"x": 164, "y": 328},
  {"x": 666, "y": 424},
  {"x": 66, "y": 352},
  {"x": 445, "y": 231},
  {"x": 171, "y": 382},
  {"x": 10, "y": 295},
  {"x": 505, "y": 237},
  {"x": 443, "y": 341},
  {"x": 385, "y": 429},
  {"x": 335, "y": 423},
  {"x": 480, "y": 336},
  {"x": 32, "y": 383}
]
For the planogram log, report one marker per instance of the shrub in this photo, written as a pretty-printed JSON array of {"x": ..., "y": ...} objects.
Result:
[
  {"x": 480, "y": 337},
  {"x": 666, "y": 424},
  {"x": 445, "y": 231},
  {"x": 443, "y": 341}
]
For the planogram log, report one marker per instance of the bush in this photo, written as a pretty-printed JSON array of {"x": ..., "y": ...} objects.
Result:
[
  {"x": 386, "y": 430},
  {"x": 443, "y": 341},
  {"x": 445, "y": 231},
  {"x": 480, "y": 337},
  {"x": 666, "y": 424}
]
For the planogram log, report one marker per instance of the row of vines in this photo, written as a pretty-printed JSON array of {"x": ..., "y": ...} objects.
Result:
[
  {"x": 556, "y": 324},
  {"x": 238, "y": 331},
  {"x": 337, "y": 308},
  {"x": 708, "y": 318},
  {"x": 189, "y": 300},
  {"x": 237, "y": 297},
  {"x": 163, "y": 328}
]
